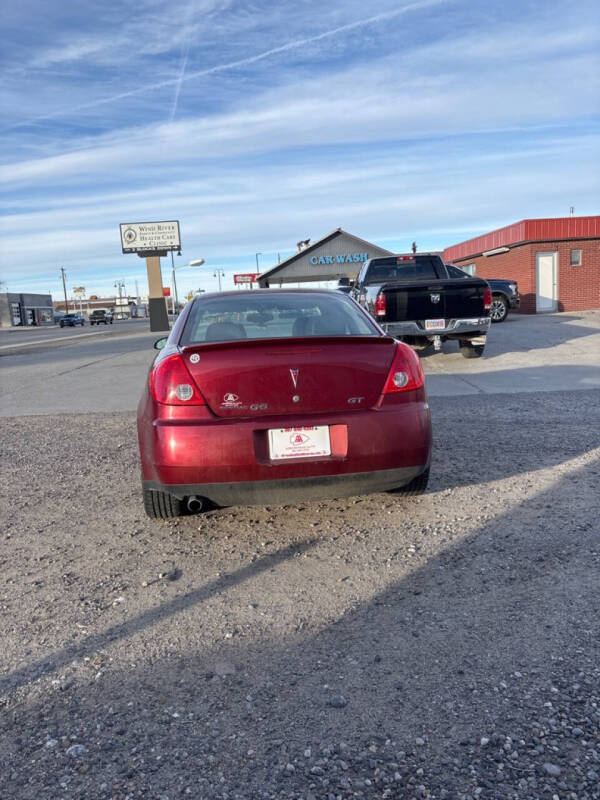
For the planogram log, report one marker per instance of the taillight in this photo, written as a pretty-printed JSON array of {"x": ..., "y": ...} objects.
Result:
[
  {"x": 171, "y": 383},
  {"x": 380, "y": 305},
  {"x": 405, "y": 373},
  {"x": 487, "y": 298}
]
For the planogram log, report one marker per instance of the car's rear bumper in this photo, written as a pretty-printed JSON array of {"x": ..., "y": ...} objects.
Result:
[
  {"x": 454, "y": 327},
  {"x": 293, "y": 490},
  {"x": 228, "y": 460}
]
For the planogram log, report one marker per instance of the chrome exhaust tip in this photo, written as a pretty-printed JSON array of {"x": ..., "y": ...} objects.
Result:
[{"x": 194, "y": 504}]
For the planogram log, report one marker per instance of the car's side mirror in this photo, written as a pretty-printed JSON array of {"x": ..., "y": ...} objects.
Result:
[{"x": 160, "y": 343}]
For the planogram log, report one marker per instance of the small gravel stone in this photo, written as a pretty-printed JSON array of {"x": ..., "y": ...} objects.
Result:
[
  {"x": 76, "y": 750},
  {"x": 338, "y": 701},
  {"x": 551, "y": 769}
]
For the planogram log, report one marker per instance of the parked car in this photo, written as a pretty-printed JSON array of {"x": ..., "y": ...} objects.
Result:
[
  {"x": 414, "y": 299},
  {"x": 505, "y": 293},
  {"x": 71, "y": 320},
  {"x": 314, "y": 400},
  {"x": 100, "y": 315}
]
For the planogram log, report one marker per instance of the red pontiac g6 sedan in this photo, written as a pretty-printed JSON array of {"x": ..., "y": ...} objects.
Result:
[{"x": 273, "y": 396}]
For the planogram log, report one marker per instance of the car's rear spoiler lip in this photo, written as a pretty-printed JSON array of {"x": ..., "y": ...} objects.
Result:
[{"x": 296, "y": 341}]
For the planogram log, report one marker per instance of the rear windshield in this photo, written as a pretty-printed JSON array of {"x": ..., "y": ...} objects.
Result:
[
  {"x": 274, "y": 315},
  {"x": 390, "y": 269}
]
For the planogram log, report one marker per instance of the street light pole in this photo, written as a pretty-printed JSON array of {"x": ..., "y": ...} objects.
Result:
[
  {"x": 198, "y": 262},
  {"x": 173, "y": 281},
  {"x": 62, "y": 269}
]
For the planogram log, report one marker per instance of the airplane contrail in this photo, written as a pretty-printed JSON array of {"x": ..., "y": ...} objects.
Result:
[
  {"x": 297, "y": 43},
  {"x": 178, "y": 84}
]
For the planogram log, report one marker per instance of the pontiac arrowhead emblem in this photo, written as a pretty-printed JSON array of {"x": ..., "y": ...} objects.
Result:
[{"x": 294, "y": 373}]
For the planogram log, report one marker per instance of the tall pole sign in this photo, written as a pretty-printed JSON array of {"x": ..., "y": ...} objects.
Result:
[{"x": 152, "y": 240}]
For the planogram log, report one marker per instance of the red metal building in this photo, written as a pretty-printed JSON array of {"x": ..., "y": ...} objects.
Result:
[{"x": 556, "y": 262}]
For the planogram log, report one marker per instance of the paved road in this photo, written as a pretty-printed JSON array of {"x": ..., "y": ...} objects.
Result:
[
  {"x": 106, "y": 373},
  {"x": 34, "y": 335}
]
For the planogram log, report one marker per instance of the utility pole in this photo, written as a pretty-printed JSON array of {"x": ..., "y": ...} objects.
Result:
[
  {"x": 62, "y": 269},
  {"x": 217, "y": 274}
]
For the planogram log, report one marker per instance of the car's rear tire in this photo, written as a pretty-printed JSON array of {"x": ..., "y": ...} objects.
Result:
[
  {"x": 162, "y": 505},
  {"x": 469, "y": 350},
  {"x": 499, "y": 309},
  {"x": 417, "y": 486},
  {"x": 62, "y": 324}
]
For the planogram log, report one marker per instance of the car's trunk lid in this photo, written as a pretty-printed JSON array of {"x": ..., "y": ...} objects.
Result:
[{"x": 291, "y": 376}]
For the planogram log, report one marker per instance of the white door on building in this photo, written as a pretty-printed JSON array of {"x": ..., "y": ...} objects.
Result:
[{"x": 546, "y": 281}]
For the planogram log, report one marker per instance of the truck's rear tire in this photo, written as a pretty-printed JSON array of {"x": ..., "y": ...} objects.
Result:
[
  {"x": 469, "y": 350},
  {"x": 499, "y": 309},
  {"x": 417, "y": 486},
  {"x": 162, "y": 505}
]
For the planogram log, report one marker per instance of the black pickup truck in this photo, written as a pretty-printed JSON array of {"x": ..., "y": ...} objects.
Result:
[{"x": 413, "y": 298}]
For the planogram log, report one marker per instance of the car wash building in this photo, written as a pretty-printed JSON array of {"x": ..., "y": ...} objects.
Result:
[
  {"x": 555, "y": 261},
  {"x": 338, "y": 255}
]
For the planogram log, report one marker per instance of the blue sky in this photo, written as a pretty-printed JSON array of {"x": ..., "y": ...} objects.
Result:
[{"x": 257, "y": 124}]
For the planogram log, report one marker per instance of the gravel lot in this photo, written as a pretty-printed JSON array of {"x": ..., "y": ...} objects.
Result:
[{"x": 443, "y": 647}]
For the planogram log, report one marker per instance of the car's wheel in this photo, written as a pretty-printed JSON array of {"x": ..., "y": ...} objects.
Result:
[
  {"x": 417, "y": 486},
  {"x": 499, "y": 309},
  {"x": 161, "y": 505},
  {"x": 469, "y": 350},
  {"x": 62, "y": 324}
]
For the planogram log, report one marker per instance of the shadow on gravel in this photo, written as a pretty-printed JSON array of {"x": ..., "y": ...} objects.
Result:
[
  {"x": 130, "y": 627},
  {"x": 474, "y": 642}
]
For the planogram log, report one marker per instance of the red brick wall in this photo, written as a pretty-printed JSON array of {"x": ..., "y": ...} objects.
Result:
[{"x": 578, "y": 287}]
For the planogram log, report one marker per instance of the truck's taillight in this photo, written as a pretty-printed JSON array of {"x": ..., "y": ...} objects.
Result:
[
  {"x": 171, "y": 383},
  {"x": 405, "y": 373},
  {"x": 487, "y": 298},
  {"x": 380, "y": 308}
]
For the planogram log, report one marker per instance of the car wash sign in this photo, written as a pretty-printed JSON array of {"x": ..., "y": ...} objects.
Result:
[
  {"x": 340, "y": 258},
  {"x": 144, "y": 237}
]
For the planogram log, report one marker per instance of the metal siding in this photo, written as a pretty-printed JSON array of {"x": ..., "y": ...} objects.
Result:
[{"x": 527, "y": 230}]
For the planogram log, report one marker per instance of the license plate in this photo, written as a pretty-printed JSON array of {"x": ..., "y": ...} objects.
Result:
[
  {"x": 435, "y": 324},
  {"x": 301, "y": 442}
]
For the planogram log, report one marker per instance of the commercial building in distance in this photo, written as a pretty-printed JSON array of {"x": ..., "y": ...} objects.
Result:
[
  {"x": 555, "y": 261},
  {"x": 22, "y": 310}
]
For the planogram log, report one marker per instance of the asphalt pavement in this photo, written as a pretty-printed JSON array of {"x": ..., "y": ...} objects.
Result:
[{"x": 105, "y": 371}]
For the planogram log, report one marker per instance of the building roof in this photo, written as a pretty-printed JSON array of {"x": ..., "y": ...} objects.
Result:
[
  {"x": 266, "y": 276},
  {"x": 527, "y": 230}
]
